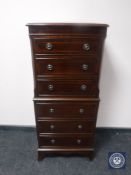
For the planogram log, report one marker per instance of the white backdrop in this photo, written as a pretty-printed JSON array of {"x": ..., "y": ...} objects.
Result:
[{"x": 16, "y": 81}]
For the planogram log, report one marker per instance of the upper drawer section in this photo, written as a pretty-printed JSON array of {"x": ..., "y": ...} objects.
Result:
[
  {"x": 67, "y": 45},
  {"x": 63, "y": 65}
]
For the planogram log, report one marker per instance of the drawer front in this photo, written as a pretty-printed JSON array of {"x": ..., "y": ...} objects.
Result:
[
  {"x": 62, "y": 65},
  {"x": 68, "y": 110},
  {"x": 66, "y": 46},
  {"x": 65, "y": 126},
  {"x": 70, "y": 87},
  {"x": 66, "y": 140}
]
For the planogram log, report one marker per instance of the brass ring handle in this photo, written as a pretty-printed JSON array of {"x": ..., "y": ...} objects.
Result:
[
  {"x": 84, "y": 66},
  {"x": 50, "y": 87},
  {"x": 51, "y": 110},
  {"x": 50, "y": 67},
  {"x": 49, "y": 46},
  {"x": 80, "y": 126},
  {"x": 81, "y": 110},
  {"x": 83, "y": 87},
  {"x": 53, "y": 141},
  {"x": 79, "y": 141},
  {"x": 52, "y": 126},
  {"x": 86, "y": 47}
]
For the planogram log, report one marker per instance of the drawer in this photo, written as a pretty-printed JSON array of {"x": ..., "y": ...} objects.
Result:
[
  {"x": 66, "y": 45},
  {"x": 66, "y": 109},
  {"x": 85, "y": 87},
  {"x": 63, "y": 65},
  {"x": 66, "y": 126},
  {"x": 66, "y": 140}
]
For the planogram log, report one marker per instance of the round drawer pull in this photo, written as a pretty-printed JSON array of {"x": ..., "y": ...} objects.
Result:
[
  {"x": 79, "y": 141},
  {"x": 83, "y": 87},
  {"x": 80, "y": 126},
  {"x": 51, "y": 110},
  {"x": 84, "y": 66},
  {"x": 86, "y": 46},
  {"x": 49, "y": 46},
  {"x": 50, "y": 87},
  {"x": 52, "y": 127},
  {"x": 52, "y": 141},
  {"x": 50, "y": 67},
  {"x": 81, "y": 110}
]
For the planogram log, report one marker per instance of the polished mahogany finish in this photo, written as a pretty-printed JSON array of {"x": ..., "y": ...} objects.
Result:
[
  {"x": 66, "y": 46},
  {"x": 49, "y": 87},
  {"x": 65, "y": 126},
  {"x": 58, "y": 65},
  {"x": 77, "y": 140},
  {"x": 66, "y": 61},
  {"x": 67, "y": 110}
]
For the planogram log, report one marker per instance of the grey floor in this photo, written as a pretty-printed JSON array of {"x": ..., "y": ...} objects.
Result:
[{"x": 18, "y": 155}]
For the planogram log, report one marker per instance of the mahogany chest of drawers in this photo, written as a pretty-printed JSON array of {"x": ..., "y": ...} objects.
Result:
[{"x": 66, "y": 64}]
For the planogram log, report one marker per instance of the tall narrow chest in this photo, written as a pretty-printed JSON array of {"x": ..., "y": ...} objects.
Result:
[{"x": 66, "y": 62}]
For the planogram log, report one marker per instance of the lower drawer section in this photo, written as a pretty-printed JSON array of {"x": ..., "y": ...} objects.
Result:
[
  {"x": 77, "y": 140},
  {"x": 65, "y": 126},
  {"x": 62, "y": 109}
]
